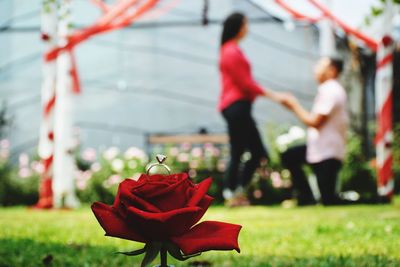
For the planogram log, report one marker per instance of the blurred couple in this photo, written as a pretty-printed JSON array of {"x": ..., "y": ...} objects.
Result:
[{"x": 326, "y": 122}]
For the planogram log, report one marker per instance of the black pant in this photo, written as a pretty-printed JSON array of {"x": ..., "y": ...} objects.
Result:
[
  {"x": 244, "y": 136},
  {"x": 326, "y": 172}
]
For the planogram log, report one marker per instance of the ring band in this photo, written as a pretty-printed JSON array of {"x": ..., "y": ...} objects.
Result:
[{"x": 158, "y": 165}]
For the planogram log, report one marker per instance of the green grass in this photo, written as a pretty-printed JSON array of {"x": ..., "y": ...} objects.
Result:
[{"x": 271, "y": 236}]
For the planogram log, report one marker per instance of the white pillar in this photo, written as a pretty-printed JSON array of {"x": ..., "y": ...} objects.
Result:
[
  {"x": 64, "y": 163},
  {"x": 49, "y": 26},
  {"x": 327, "y": 46},
  {"x": 49, "y": 36}
]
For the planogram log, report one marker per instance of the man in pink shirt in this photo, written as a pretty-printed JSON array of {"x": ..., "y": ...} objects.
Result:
[{"x": 326, "y": 136}]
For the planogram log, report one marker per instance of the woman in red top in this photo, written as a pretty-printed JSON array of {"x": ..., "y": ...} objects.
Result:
[{"x": 239, "y": 90}]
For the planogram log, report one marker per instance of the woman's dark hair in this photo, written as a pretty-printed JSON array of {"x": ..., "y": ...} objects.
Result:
[{"x": 232, "y": 25}]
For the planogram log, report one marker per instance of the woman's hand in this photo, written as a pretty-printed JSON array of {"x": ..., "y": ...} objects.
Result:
[
  {"x": 283, "y": 98},
  {"x": 289, "y": 101}
]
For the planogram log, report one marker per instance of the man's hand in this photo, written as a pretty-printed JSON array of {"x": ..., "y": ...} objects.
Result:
[{"x": 288, "y": 100}]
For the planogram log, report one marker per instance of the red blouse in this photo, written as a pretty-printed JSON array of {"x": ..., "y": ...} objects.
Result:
[{"x": 236, "y": 79}]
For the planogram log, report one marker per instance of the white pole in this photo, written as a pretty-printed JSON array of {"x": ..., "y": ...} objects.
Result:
[
  {"x": 64, "y": 163},
  {"x": 384, "y": 105},
  {"x": 327, "y": 46},
  {"x": 45, "y": 147},
  {"x": 384, "y": 102}
]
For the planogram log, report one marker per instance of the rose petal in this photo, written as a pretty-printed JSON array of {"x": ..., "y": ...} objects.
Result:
[
  {"x": 204, "y": 204},
  {"x": 200, "y": 190},
  {"x": 127, "y": 198},
  {"x": 166, "y": 197},
  {"x": 209, "y": 235},
  {"x": 160, "y": 226},
  {"x": 113, "y": 224},
  {"x": 153, "y": 187}
]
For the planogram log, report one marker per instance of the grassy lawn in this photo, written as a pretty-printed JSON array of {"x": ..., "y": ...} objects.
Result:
[{"x": 271, "y": 236}]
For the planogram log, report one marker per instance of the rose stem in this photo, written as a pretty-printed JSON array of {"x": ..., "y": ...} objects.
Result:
[{"x": 163, "y": 255}]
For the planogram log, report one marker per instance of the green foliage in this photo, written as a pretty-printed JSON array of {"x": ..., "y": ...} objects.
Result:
[
  {"x": 396, "y": 157},
  {"x": 273, "y": 131},
  {"x": 97, "y": 191},
  {"x": 378, "y": 10},
  {"x": 15, "y": 190},
  {"x": 262, "y": 191},
  {"x": 356, "y": 174},
  {"x": 101, "y": 183}
]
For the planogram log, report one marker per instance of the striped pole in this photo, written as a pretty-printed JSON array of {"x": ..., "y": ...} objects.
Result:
[
  {"x": 64, "y": 162},
  {"x": 45, "y": 149},
  {"x": 60, "y": 78},
  {"x": 384, "y": 104}
]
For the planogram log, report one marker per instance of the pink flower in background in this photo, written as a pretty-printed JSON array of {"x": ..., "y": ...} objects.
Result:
[
  {"x": 37, "y": 167},
  {"x": 115, "y": 179},
  {"x": 135, "y": 153},
  {"x": 24, "y": 172},
  {"x": 257, "y": 194},
  {"x": 276, "y": 180},
  {"x": 183, "y": 157},
  {"x": 194, "y": 164},
  {"x": 82, "y": 178},
  {"x": 209, "y": 150},
  {"x": 186, "y": 147},
  {"x": 212, "y": 150},
  {"x": 87, "y": 175},
  {"x": 217, "y": 152},
  {"x": 81, "y": 184},
  {"x": 89, "y": 154},
  {"x": 95, "y": 167},
  {"x": 174, "y": 151},
  {"x": 83, "y": 175},
  {"x": 208, "y": 146},
  {"x": 111, "y": 153},
  {"x": 221, "y": 165},
  {"x": 112, "y": 180},
  {"x": 23, "y": 160},
  {"x": 197, "y": 152}
]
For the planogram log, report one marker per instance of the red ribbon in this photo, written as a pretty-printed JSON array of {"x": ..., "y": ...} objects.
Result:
[
  {"x": 384, "y": 118},
  {"x": 49, "y": 105},
  {"x": 109, "y": 21},
  {"x": 297, "y": 15},
  {"x": 100, "y": 4},
  {"x": 161, "y": 11},
  {"x": 370, "y": 42},
  {"x": 76, "y": 86}
]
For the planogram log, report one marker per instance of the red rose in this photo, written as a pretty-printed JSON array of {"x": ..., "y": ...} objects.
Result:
[{"x": 166, "y": 208}]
